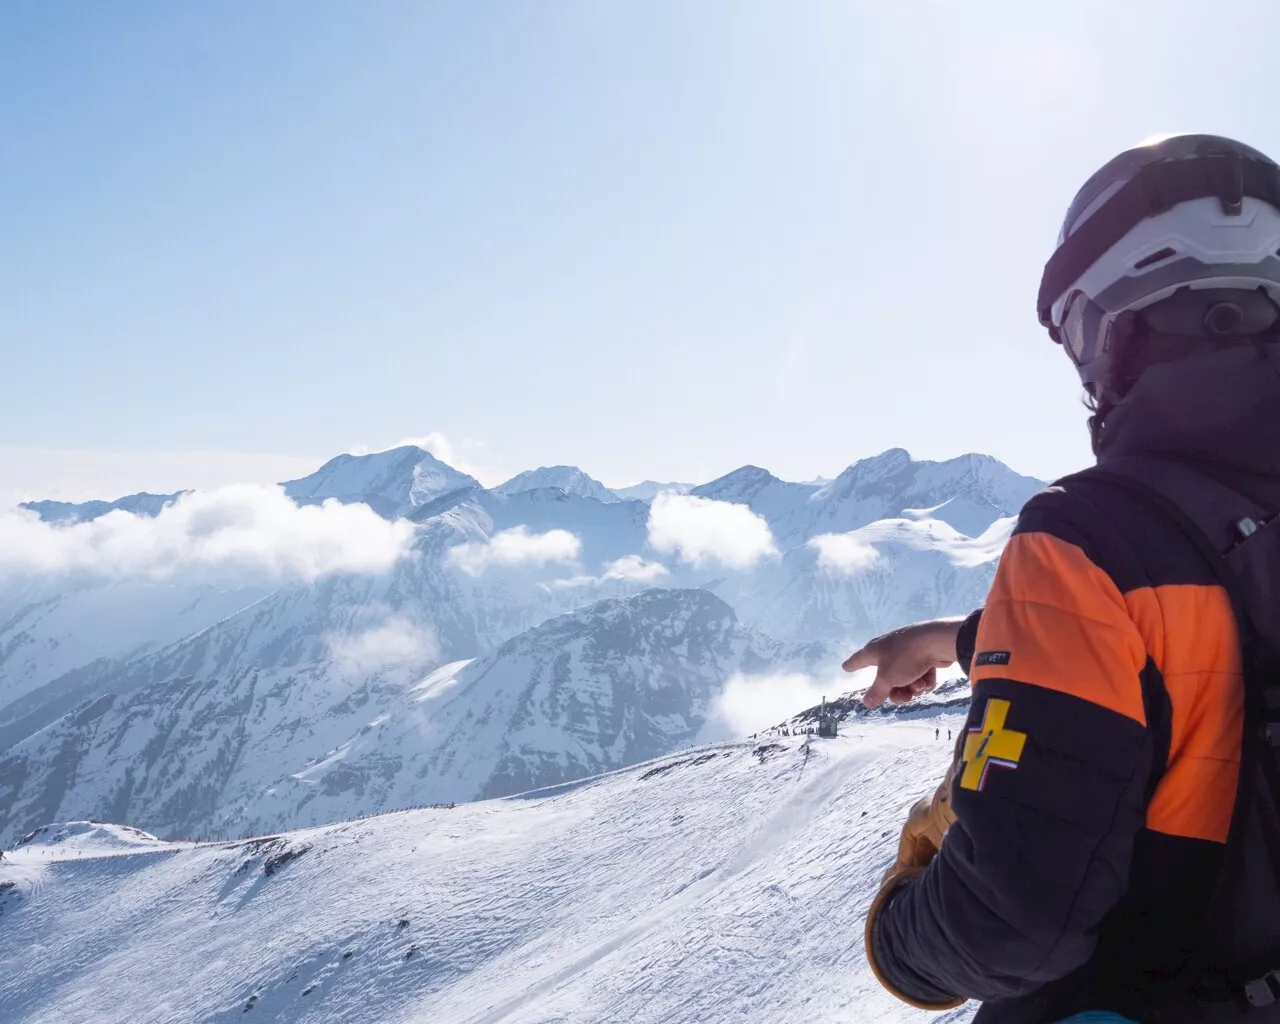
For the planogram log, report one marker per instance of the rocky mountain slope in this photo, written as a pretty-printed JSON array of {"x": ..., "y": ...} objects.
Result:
[{"x": 203, "y": 747}]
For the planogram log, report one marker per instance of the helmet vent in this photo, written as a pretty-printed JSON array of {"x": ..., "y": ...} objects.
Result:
[{"x": 1155, "y": 257}]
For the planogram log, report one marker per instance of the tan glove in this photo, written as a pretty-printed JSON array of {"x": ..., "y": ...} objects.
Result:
[
  {"x": 927, "y": 823},
  {"x": 891, "y": 884},
  {"x": 921, "y": 839}
]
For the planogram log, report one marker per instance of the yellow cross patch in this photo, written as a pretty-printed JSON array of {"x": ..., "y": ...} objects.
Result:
[{"x": 990, "y": 744}]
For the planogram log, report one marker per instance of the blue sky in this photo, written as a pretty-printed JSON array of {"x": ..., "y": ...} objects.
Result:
[{"x": 651, "y": 239}]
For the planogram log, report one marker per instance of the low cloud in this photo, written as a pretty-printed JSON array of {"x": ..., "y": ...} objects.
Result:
[
  {"x": 749, "y": 703},
  {"x": 628, "y": 569},
  {"x": 396, "y": 642},
  {"x": 634, "y": 569},
  {"x": 515, "y": 547},
  {"x": 702, "y": 530},
  {"x": 844, "y": 553},
  {"x": 240, "y": 533}
]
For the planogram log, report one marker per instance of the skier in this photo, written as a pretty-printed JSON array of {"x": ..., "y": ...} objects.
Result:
[
  {"x": 936, "y": 734},
  {"x": 1111, "y": 854}
]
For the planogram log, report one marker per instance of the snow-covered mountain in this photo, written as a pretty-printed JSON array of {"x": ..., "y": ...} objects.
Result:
[
  {"x": 62, "y": 646},
  {"x": 392, "y": 483},
  {"x": 193, "y": 743},
  {"x": 854, "y": 585},
  {"x": 565, "y": 478},
  {"x": 717, "y": 885},
  {"x": 65, "y": 641},
  {"x": 968, "y": 493},
  {"x": 185, "y": 704}
]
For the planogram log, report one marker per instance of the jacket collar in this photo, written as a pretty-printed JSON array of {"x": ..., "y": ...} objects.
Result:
[{"x": 1221, "y": 408}]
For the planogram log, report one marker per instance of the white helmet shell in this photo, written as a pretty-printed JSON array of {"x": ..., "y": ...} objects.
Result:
[{"x": 1187, "y": 212}]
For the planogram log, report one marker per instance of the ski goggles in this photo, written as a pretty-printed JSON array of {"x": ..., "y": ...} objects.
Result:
[{"x": 1081, "y": 329}]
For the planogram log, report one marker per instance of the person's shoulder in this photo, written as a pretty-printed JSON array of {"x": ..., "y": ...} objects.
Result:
[
  {"x": 1078, "y": 506},
  {"x": 1116, "y": 531}
]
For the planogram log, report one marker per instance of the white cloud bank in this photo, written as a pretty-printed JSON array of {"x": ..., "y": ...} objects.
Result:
[
  {"x": 396, "y": 642},
  {"x": 749, "y": 703},
  {"x": 515, "y": 547},
  {"x": 245, "y": 531},
  {"x": 702, "y": 530}
]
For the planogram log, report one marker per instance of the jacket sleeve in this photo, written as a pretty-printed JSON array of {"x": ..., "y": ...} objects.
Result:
[
  {"x": 1051, "y": 794},
  {"x": 967, "y": 640}
]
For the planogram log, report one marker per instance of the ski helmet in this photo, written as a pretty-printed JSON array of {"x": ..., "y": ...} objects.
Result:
[{"x": 1183, "y": 233}]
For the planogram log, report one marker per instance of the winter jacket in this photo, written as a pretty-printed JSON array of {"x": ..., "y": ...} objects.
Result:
[{"x": 1100, "y": 761}]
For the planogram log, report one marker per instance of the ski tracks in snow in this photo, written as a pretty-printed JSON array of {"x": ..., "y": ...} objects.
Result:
[{"x": 771, "y": 836}]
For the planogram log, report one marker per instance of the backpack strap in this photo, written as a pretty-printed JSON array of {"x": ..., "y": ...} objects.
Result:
[{"x": 1233, "y": 519}]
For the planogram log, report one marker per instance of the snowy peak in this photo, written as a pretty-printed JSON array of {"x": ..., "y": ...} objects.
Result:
[
  {"x": 392, "y": 483},
  {"x": 969, "y": 492},
  {"x": 570, "y": 479},
  {"x": 751, "y": 485},
  {"x": 884, "y": 466}
]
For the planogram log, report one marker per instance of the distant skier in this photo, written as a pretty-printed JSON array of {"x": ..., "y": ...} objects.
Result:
[
  {"x": 935, "y": 734},
  {"x": 948, "y": 735},
  {"x": 1112, "y": 817}
]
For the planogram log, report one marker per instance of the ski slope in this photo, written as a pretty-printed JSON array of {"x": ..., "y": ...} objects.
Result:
[{"x": 723, "y": 883}]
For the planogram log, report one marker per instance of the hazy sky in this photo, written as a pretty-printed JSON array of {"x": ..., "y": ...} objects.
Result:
[{"x": 654, "y": 239}]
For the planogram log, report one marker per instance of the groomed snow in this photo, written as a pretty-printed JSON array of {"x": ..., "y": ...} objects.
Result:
[{"x": 723, "y": 883}]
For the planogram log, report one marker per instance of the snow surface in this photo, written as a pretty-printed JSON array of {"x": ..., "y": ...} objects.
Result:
[{"x": 718, "y": 884}]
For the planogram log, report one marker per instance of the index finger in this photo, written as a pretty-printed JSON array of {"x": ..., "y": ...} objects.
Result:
[{"x": 865, "y": 657}]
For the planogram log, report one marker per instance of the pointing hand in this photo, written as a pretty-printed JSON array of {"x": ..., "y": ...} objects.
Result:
[{"x": 907, "y": 660}]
